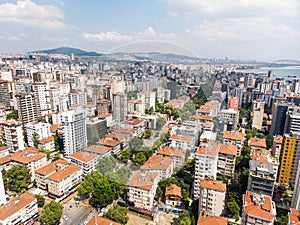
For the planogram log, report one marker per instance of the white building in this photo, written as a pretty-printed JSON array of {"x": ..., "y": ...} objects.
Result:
[
  {"x": 41, "y": 129},
  {"x": 77, "y": 98},
  {"x": 2, "y": 190},
  {"x": 206, "y": 165},
  {"x": 43, "y": 97},
  {"x": 141, "y": 189},
  {"x": 19, "y": 210},
  {"x": 74, "y": 130},
  {"x": 13, "y": 135},
  {"x": 212, "y": 197},
  {"x": 88, "y": 161}
]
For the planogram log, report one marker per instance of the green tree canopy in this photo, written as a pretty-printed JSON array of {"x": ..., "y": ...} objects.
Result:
[
  {"x": 184, "y": 218},
  {"x": 125, "y": 155},
  {"x": 103, "y": 194},
  {"x": 135, "y": 144},
  {"x": 18, "y": 178},
  {"x": 160, "y": 122},
  {"x": 51, "y": 213},
  {"x": 147, "y": 133},
  {"x": 40, "y": 200},
  {"x": 117, "y": 214},
  {"x": 233, "y": 209},
  {"x": 139, "y": 159},
  {"x": 106, "y": 164},
  {"x": 120, "y": 176},
  {"x": 13, "y": 115}
]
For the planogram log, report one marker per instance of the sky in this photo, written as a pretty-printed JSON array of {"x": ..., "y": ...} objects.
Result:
[{"x": 239, "y": 29}]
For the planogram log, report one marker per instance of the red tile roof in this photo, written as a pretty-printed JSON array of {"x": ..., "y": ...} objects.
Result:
[
  {"x": 175, "y": 137},
  {"x": 173, "y": 152},
  {"x": 211, "y": 220},
  {"x": 97, "y": 149},
  {"x": 173, "y": 189},
  {"x": 233, "y": 135},
  {"x": 61, "y": 174},
  {"x": 28, "y": 155},
  {"x": 157, "y": 162},
  {"x": 228, "y": 149},
  {"x": 108, "y": 142},
  {"x": 84, "y": 156},
  {"x": 96, "y": 220},
  {"x": 213, "y": 185},
  {"x": 143, "y": 180},
  {"x": 294, "y": 217}
]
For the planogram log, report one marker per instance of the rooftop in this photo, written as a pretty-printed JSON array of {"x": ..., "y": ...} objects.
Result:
[
  {"x": 28, "y": 155},
  {"x": 211, "y": 220},
  {"x": 175, "y": 137},
  {"x": 97, "y": 149},
  {"x": 173, "y": 189},
  {"x": 143, "y": 180},
  {"x": 167, "y": 151},
  {"x": 96, "y": 220},
  {"x": 15, "y": 204},
  {"x": 216, "y": 185},
  {"x": 84, "y": 156},
  {"x": 233, "y": 135},
  {"x": 65, "y": 172},
  {"x": 157, "y": 162},
  {"x": 294, "y": 217},
  {"x": 256, "y": 142},
  {"x": 228, "y": 149}
]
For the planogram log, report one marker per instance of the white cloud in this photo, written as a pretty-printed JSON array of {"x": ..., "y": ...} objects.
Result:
[
  {"x": 28, "y": 13},
  {"x": 112, "y": 36},
  {"x": 233, "y": 8}
]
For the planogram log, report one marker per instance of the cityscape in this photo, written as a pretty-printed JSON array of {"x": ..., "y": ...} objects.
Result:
[{"x": 107, "y": 125}]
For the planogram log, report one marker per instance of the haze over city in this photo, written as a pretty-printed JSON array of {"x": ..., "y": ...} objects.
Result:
[{"x": 259, "y": 29}]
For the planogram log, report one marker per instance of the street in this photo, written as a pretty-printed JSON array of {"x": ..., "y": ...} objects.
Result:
[{"x": 76, "y": 214}]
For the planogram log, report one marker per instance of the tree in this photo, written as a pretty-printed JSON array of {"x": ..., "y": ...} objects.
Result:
[
  {"x": 184, "y": 218},
  {"x": 233, "y": 209},
  {"x": 117, "y": 214},
  {"x": 147, "y": 133},
  {"x": 13, "y": 115},
  {"x": 269, "y": 140},
  {"x": 135, "y": 144},
  {"x": 163, "y": 184},
  {"x": 106, "y": 164},
  {"x": 85, "y": 188},
  {"x": 51, "y": 213},
  {"x": 139, "y": 159},
  {"x": 35, "y": 139},
  {"x": 18, "y": 178},
  {"x": 120, "y": 176},
  {"x": 160, "y": 122},
  {"x": 125, "y": 155},
  {"x": 40, "y": 200},
  {"x": 103, "y": 194}
]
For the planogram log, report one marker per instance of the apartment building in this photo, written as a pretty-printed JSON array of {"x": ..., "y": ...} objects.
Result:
[
  {"x": 12, "y": 135},
  {"x": 27, "y": 108},
  {"x": 226, "y": 159},
  {"x": 88, "y": 161},
  {"x": 257, "y": 143},
  {"x": 258, "y": 114},
  {"x": 177, "y": 155},
  {"x": 37, "y": 130},
  {"x": 97, "y": 220},
  {"x": 206, "y": 165},
  {"x": 234, "y": 138},
  {"x": 258, "y": 209},
  {"x": 135, "y": 124},
  {"x": 99, "y": 150},
  {"x": 159, "y": 164},
  {"x": 42, "y": 96},
  {"x": 262, "y": 172},
  {"x": 30, "y": 158},
  {"x": 173, "y": 198},
  {"x": 276, "y": 147},
  {"x": 183, "y": 142},
  {"x": 22, "y": 209},
  {"x": 59, "y": 178},
  {"x": 141, "y": 189},
  {"x": 231, "y": 116},
  {"x": 114, "y": 145},
  {"x": 212, "y": 197},
  {"x": 74, "y": 129},
  {"x": 47, "y": 144}
]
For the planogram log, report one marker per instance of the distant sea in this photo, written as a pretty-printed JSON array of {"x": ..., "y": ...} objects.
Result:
[{"x": 283, "y": 72}]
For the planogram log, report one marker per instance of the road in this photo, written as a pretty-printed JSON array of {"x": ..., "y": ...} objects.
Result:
[{"x": 76, "y": 214}]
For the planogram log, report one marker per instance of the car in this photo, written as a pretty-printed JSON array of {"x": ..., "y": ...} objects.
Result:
[{"x": 65, "y": 217}]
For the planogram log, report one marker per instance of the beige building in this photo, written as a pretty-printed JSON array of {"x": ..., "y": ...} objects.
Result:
[
  {"x": 159, "y": 164},
  {"x": 22, "y": 209},
  {"x": 212, "y": 197},
  {"x": 276, "y": 147},
  {"x": 226, "y": 159},
  {"x": 177, "y": 155},
  {"x": 235, "y": 138},
  {"x": 258, "y": 114},
  {"x": 59, "y": 178},
  {"x": 257, "y": 143},
  {"x": 141, "y": 189},
  {"x": 182, "y": 141},
  {"x": 12, "y": 135},
  {"x": 258, "y": 209}
]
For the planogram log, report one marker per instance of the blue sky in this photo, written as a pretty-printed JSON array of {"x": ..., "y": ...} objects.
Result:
[{"x": 245, "y": 29}]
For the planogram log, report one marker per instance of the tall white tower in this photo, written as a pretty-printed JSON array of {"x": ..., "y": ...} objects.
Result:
[{"x": 2, "y": 190}]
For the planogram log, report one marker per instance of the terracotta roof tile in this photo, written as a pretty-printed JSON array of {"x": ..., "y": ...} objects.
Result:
[
  {"x": 228, "y": 149},
  {"x": 5, "y": 159},
  {"x": 15, "y": 204},
  {"x": 96, "y": 220},
  {"x": 213, "y": 185},
  {"x": 97, "y": 149},
  {"x": 211, "y": 220},
  {"x": 46, "y": 140},
  {"x": 211, "y": 149},
  {"x": 167, "y": 151},
  {"x": 233, "y": 135},
  {"x": 175, "y": 137},
  {"x": 173, "y": 189},
  {"x": 255, "y": 142},
  {"x": 84, "y": 156},
  {"x": 108, "y": 142},
  {"x": 27, "y": 156},
  {"x": 294, "y": 217},
  {"x": 61, "y": 174},
  {"x": 143, "y": 180},
  {"x": 157, "y": 162}
]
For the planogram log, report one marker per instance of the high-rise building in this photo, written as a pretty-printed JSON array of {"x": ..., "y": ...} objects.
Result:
[
  {"x": 74, "y": 130},
  {"x": 292, "y": 124},
  {"x": 206, "y": 165},
  {"x": 262, "y": 172},
  {"x": 42, "y": 96},
  {"x": 4, "y": 94},
  {"x": 289, "y": 159},
  {"x": 27, "y": 108},
  {"x": 296, "y": 194},
  {"x": 258, "y": 114},
  {"x": 212, "y": 197},
  {"x": 77, "y": 98},
  {"x": 12, "y": 135},
  {"x": 119, "y": 107},
  {"x": 279, "y": 117}
]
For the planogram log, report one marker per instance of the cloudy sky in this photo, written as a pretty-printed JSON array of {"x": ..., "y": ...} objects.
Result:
[{"x": 245, "y": 29}]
